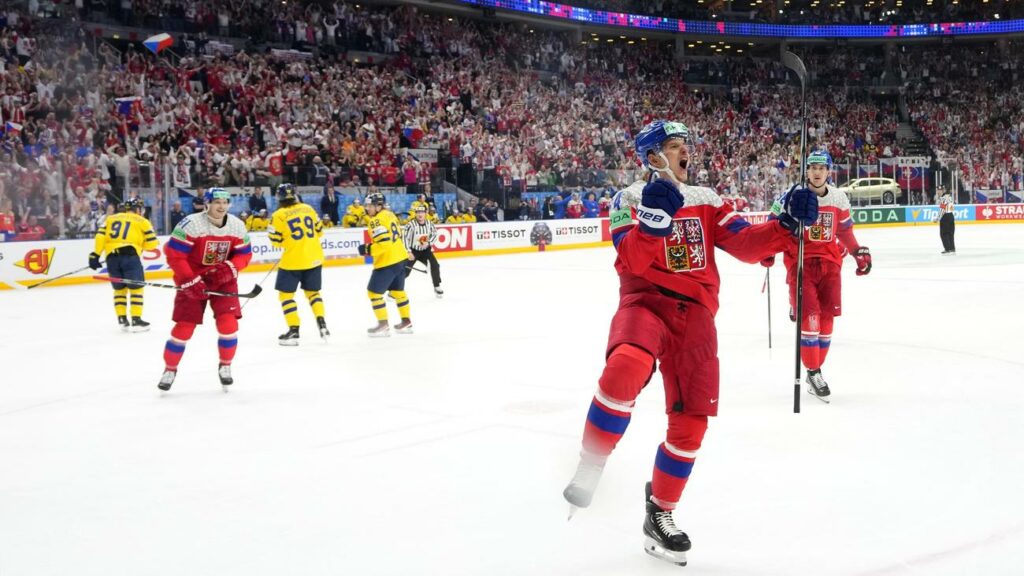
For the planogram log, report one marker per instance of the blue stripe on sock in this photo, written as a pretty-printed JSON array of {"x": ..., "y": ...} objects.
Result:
[
  {"x": 175, "y": 347},
  {"x": 671, "y": 466},
  {"x": 287, "y": 302},
  {"x": 379, "y": 307},
  {"x": 606, "y": 421},
  {"x": 824, "y": 343},
  {"x": 315, "y": 300},
  {"x": 227, "y": 342},
  {"x": 811, "y": 343},
  {"x": 290, "y": 310},
  {"x": 400, "y": 304}
]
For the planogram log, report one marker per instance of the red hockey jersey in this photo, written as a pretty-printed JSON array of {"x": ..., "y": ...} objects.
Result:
[
  {"x": 684, "y": 261},
  {"x": 197, "y": 243},
  {"x": 831, "y": 236}
]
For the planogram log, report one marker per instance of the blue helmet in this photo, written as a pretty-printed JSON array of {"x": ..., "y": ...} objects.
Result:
[
  {"x": 820, "y": 157},
  {"x": 212, "y": 194},
  {"x": 652, "y": 136}
]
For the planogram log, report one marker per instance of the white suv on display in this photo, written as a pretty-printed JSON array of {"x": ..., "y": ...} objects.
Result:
[{"x": 870, "y": 189}]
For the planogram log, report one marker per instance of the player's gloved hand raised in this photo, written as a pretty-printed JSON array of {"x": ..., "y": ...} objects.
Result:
[
  {"x": 863, "y": 257},
  {"x": 363, "y": 249},
  {"x": 658, "y": 204},
  {"x": 220, "y": 274},
  {"x": 94, "y": 261},
  {"x": 768, "y": 262},
  {"x": 798, "y": 205},
  {"x": 195, "y": 289}
]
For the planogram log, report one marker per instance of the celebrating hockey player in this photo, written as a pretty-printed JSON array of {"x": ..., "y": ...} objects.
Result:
[
  {"x": 389, "y": 256},
  {"x": 826, "y": 241},
  {"x": 419, "y": 235},
  {"x": 206, "y": 251},
  {"x": 668, "y": 298},
  {"x": 124, "y": 237},
  {"x": 296, "y": 228}
]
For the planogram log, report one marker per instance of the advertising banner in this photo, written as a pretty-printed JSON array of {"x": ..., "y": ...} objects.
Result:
[
  {"x": 878, "y": 215},
  {"x": 931, "y": 213},
  {"x": 991, "y": 212}
]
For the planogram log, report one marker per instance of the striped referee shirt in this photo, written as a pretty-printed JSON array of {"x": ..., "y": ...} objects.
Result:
[
  {"x": 415, "y": 232},
  {"x": 946, "y": 204}
]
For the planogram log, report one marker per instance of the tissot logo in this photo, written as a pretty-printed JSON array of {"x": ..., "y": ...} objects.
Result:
[
  {"x": 567, "y": 230},
  {"x": 500, "y": 234}
]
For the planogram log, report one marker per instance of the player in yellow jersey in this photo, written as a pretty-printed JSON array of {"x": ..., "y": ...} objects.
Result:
[
  {"x": 454, "y": 217},
  {"x": 124, "y": 237},
  {"x": 389, "y": 256},
  {"x": 257, "y": 221},
  {"x": 355, "y": 215},
  {"x": 296, "y": 228}
]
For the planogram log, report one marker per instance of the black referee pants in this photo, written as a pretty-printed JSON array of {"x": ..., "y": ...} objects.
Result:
[
  {"x": 429, "y": 260},
  {"x": 947, "y": 227}
]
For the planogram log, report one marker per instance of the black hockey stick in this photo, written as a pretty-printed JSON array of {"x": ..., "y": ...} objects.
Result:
[
  {"x": 48, "y": 280},
  {"x": 768, "y": 284},
  {"x": 420, "y": 270},
  {"x": 794, "y": 63},
  {"x": 250, "y": 294},
  {"x": 259, "y": 287}
]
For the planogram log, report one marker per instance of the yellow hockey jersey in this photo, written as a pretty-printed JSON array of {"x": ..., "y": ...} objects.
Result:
[
  {"x": 297, "y": 229},
  {"x": 125, "y": 229},
  {"x": 386, "y": 244}
]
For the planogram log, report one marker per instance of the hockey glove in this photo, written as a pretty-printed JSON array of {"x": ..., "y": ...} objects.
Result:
[
  {"x": 363, "y": 249},
  {"x": 220, "y": 274},
  {"x": 94, "y": 261},
  {"x": 659, "y": 203},
  {"x": 768, "y": 262},
  {"x": 194, "y": 289},
  {"x": 863, "y": 257},
  {"x": 798, "y": 205}
]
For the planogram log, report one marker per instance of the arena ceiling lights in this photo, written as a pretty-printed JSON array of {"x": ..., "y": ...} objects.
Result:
[{"x": 712, "y": 28}]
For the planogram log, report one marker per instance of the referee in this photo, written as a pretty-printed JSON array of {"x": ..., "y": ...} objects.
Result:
[
  {"x": 419, "y": 237},
  {"x": 947, "y": 222}
]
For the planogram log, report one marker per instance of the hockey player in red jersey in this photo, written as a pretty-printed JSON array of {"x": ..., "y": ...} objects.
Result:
[
  {"x": 826, "y": 241},
  {"x": 206, "y": 251},
  {"x": 666, "y": 232}
]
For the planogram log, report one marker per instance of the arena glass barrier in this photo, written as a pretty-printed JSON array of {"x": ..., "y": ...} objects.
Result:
[{"x": 23, "y": 264}]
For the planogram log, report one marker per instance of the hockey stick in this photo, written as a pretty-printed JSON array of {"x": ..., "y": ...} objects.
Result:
[
  {"x": 259, "y": 284},
  {"x": 793, "y": 62},
  {"x": 420, "y": 270},
  {"x": 48, "y": 280},
  {"x": 250, "y": 294},
  {"x": 768, "y": 284}
]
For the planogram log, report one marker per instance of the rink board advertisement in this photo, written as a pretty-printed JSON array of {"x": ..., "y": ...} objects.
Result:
[{"x": 23, "y": 264}]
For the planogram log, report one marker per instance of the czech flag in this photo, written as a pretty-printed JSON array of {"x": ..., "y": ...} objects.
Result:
[
  {"x": 12, "y": 128},
  {"x": 125, "y": 105},
  {"x": 158, "y": 43}
]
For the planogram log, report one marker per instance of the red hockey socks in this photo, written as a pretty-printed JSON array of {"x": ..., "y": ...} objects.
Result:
[
  {"x": 625, "y": 373},
  {"x": 675, "y": 458},
  {"x": 809, "y": 337},
  {"x": 824, "y": 338},
  {"x": 175, "y": 347},
  {"x": 227, "y": 341}
]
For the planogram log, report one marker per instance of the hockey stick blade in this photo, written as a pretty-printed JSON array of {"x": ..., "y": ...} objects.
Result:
[{"x": 794, "y": 63}]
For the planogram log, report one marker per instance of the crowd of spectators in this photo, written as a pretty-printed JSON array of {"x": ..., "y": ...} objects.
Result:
[{"x": 527, "y": 109}]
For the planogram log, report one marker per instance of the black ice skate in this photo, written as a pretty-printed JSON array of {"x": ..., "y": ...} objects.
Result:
[
  {"x": 139, "y": 325},
  {"x": 166, "y": 380},
  {"x": 289, "y": 338},
  {"x": 322, "y": 325},
  {"x": 438, "y": 292},
  {"x": 405, "y": 327},
  {"x": 381, "y": 330},
  {"x": 580, "y": 490},
  {"x": 224, "y": 372},
  {"x": 122, "y": 321},
  {"x": 817, "y": 387},
  {"x": 661, "y": 537}
]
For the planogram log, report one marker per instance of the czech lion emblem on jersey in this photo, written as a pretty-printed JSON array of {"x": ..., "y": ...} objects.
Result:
[
  {"x": 821, "y": 231},
  {"x": 215, "y": 252},
  {"x": 684, "y": 247}
]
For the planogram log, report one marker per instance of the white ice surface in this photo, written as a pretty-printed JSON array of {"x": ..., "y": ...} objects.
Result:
[{"x": 445, "y": 452}]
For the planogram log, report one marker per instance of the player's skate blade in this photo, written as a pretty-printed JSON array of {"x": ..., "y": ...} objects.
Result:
[
  {"x": 289, "y": 338},
  {"x": 224, "y": 373},
  {"x": 381, "y": 330},
  {"x": 321, "y": 324},
  {"x": 825, "y": 399},
  {"x": 166, "y": 380},
  {"x": 652, "y": 547},
  {"x": 405, "y": 327}
]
